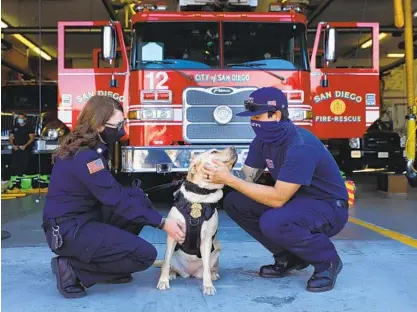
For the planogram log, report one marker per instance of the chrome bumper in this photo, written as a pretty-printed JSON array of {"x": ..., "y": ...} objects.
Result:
[{"x": 169, "y": 159}]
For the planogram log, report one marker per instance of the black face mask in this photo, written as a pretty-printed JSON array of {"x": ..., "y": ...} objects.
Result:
[{"x": 112, "y": 135}]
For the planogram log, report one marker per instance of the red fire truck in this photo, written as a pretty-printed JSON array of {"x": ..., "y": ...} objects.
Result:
[{"x": 186, "y": 74}]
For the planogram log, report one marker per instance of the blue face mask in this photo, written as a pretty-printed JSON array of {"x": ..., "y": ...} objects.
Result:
[
  {"x": 272, "y": 131},
  {"x": 20, "y": 121}
]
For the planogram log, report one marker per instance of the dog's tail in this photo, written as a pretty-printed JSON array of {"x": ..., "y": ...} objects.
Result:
[{"x": 158, "y": 263}]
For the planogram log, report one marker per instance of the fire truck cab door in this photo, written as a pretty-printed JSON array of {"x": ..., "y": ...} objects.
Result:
[
  {"x": 85, "y": 74},
  {"x": 345, "y": 99}
]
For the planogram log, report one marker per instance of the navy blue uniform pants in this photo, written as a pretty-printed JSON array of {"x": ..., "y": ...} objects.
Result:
[
  {"x": 302, "y": 226},
  {"x": 100, "y": 252},
  {"x": 20, "y": 161}
]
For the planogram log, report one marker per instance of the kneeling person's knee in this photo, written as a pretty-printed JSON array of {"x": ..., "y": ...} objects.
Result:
[
  {"x": 143, "y": 257},
  {"x": 275, "y": 225}
]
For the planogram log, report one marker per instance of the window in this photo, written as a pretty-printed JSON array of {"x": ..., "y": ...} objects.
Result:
[
  {"x": 280, "y": 46},
  {"x": 186, "y": 45},
  {"x": 26, "y": 97}
]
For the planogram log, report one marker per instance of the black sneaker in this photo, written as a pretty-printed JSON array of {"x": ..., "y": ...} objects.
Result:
[
  {"x": 325, "y": 281},
  {"x": 282, "y": 266},
  {"x": 67, "y": 281}
]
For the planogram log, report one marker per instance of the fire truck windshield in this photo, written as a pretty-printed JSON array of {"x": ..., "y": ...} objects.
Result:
[
  {"x": 196, "y": 45},
  {"x": 186, "y": 45},
  {"x": 271, "y": 45}
]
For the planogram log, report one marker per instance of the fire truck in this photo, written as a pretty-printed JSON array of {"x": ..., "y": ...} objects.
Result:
[{"x": 185, "y": 75}]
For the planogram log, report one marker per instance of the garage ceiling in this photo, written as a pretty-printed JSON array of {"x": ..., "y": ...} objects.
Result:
[{"x": 25, "y": 13}]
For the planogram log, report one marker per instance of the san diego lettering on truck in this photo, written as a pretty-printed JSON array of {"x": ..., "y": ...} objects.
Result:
[
  {"x": 221, "y": 78},
  {"x": 86, "y": 95},
  {"x": 337, "y": 94}
]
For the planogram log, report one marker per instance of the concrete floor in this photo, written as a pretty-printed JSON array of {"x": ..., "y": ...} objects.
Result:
[{"x": 380, "y": 274}]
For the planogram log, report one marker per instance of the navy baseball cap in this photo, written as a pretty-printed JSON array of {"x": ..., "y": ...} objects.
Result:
[{"x": 267, "y": 99}]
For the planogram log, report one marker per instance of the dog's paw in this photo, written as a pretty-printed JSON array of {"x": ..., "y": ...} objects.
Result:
[
  {"x": 172, "y": 276},
  {"x": 214, "y": 276},
  {"x": 209, "y": 290},
  {"x": 163, "y": 285}
]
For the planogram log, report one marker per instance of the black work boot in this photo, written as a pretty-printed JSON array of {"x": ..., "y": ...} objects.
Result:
[
  {"x": 283, "y": 265},
  {"x": 325, "y": 280},
  {"x": 67, "y": 281}
]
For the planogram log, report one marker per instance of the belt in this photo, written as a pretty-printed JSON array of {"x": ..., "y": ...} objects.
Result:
[{"x": 51, "y": 222}]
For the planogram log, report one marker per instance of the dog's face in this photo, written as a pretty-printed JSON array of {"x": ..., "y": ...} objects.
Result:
[{"x": 195, "y": 175}]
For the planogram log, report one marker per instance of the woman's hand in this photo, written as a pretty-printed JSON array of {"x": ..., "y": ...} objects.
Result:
[
  {"x": 175, "y": 229},
  {"x": 220, "y": 174}
]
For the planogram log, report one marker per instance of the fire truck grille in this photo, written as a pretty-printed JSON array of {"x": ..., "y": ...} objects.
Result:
[
  {"x": 204, "y": 96},
  {"x": 205, "y": 114},
  {"x": 226, "y": 132},
  {"x": 200, "y": 125}
]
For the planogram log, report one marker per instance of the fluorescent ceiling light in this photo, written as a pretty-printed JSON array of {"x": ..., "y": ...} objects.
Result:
[
  {"x": 29, "y": 44},
  {"x": 33, "y": 47},
  {"x": 395, "y": 55},
  {"x": 415, "y": 14},
  {"x": 368, "y": 43}
]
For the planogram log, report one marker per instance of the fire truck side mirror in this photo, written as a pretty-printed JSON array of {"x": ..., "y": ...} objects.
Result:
[
  {"x": 108, "y": 43},
  {"x": 331, "y": 37}
]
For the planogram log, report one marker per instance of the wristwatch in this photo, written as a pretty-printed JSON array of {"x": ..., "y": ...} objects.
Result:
[{"x": 161, "y": 225}]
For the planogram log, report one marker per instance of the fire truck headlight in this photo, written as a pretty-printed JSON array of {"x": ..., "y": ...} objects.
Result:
[
  {"x": 152, "y": 114},
  {"x": 354, "y": 143},
  {"x": 223, "y": 114},
  {"x": 300, "y": 115},
  {"x": 296, "y": 115}
]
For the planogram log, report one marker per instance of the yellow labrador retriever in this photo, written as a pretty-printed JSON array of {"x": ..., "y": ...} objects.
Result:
[{"x": 196, "y": 205}]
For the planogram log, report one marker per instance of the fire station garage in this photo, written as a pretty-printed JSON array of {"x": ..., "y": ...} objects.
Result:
[{"x": 279, "y": 135}]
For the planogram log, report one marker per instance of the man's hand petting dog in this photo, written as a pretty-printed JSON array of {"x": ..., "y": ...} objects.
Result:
[
  {"x": 218, "y": 174},
  {"x": 176, "y": 229}
]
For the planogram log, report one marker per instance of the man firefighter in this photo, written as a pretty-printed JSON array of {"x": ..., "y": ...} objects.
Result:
[{"x": 295, "y": 218}]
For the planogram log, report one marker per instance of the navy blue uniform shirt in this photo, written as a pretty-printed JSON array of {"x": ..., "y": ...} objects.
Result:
[
  {"x": 82, "y": 183},
  {"x": 304, "y": 160},
  {"x": 21, "y": 133}
]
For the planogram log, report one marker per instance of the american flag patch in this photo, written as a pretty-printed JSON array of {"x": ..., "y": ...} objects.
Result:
[
  {"x": 272, "y": 103},
  {"x": 95, "y": 166}
]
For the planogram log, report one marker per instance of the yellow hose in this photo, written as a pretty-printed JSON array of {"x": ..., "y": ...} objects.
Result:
[
  {"x": 409, "y": 64},
  {"x": 409, "y": 148},
  {"x": 398, "y": 13}
]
